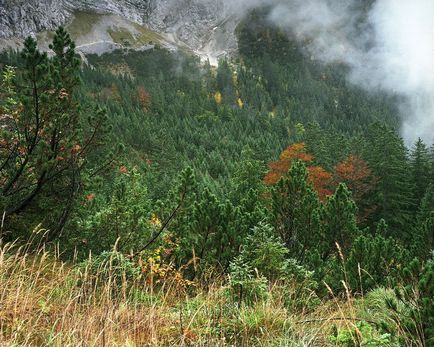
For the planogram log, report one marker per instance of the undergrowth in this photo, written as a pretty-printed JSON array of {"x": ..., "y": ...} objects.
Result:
[{"x": 113, "y": 300}]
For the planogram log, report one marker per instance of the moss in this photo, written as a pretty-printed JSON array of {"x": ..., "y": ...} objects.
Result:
[
  {"x": 125, "y": 37},
  {"x": 147, "y": 35}
]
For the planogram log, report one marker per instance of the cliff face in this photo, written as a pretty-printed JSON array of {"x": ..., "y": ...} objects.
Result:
[
  {"x": 20, "y": 18},
  {"x": 201, "y": 25}
]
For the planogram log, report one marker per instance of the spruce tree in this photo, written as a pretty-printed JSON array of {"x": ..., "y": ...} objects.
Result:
[
  {"x": 420, "y": 170},
  {"x": 392, "y": 197},
  {"x": 248, "y": 191}
]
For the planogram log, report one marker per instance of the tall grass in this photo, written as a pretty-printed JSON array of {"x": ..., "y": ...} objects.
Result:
[{"x": 46, "y": 302}]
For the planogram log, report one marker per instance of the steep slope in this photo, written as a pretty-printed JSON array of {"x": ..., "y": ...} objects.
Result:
[
  {"x": 204, "y": 27},
  {"x": 20, "y": 18}
]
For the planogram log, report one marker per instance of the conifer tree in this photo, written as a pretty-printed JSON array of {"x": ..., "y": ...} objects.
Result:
[
  {"x": 293, "y": 205},
  {"x": 49, "y": 140},
  {"x": 422, "y": 238},
  {"x": 209, "y": 235},
  {"x": 414, "y": 307},
  {"x": 393, "y": 195},
  {"x": 420, "y": 170},
  {"x": 248, "y": 192},
  {"x": 374, "y": 260},
  {"x": 338, "y": 221}
]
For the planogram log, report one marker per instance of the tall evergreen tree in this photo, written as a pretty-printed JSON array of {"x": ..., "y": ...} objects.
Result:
[
  {"x": 420, "y": 170},
  {"x": 386, "y": 155}
]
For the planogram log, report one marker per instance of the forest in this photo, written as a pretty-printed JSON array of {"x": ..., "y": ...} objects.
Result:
[{"x": 151, "y": 199}]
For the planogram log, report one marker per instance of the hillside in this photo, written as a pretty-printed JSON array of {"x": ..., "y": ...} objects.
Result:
[{"x": 150, "y": 197}]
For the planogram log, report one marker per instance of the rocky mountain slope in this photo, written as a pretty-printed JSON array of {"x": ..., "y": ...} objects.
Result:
[{"x": 203, "y": 26}]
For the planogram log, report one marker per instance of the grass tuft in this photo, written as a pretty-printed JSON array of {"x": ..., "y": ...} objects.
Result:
[{"x": 106, "y": 302}]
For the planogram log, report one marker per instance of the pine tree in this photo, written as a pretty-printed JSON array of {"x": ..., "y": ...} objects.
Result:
[
  {"x": 422, "y": 238},
  {"x": 338, "y": 221},
  {"x": 374, "y": 260},
  {"x": 293, "y": 205},
  {"x": 49, "y": 140},
  {"x": 210, "y": 234},
  {"x": 224, "y": 82},
  {"x": 248, "y": 192},
  {"x": 414, "y": 307}
]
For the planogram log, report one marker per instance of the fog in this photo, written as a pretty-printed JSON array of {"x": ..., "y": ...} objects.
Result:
[{"x": 389, "y": 49}]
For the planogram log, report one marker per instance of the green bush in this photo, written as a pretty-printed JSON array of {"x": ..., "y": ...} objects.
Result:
[
  {"x": 413, "y": 307},
  {"x": 264, "y": 252},
  {"x": 362, "y": 334},
  {"x": 263, "y": 259},
  {"x": 123, "y": 219},
  {"x": 245, "y": 283}
]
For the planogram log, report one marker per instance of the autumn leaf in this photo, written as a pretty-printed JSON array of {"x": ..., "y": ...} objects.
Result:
[
  {"x": 123, "y": 170},
  {"x": 320, "y": 178},
  {"x": 90, "y": 197},
  {"x": 144, "y": 98},
  {"x": 218, "y": 98},
  {"x": 240, "y": 103}
]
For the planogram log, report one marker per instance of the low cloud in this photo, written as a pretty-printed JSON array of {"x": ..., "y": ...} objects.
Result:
[{"x": 388, "y": 45}]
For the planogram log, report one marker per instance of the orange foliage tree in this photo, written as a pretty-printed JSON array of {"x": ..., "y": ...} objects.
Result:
[
  {"x": 355, "y": 173},
  {"x": 143, "y": 98},
  {"x": 320, "y": 178}
]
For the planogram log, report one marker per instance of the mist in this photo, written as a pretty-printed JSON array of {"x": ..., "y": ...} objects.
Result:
[{"x": 390, "y": 49}]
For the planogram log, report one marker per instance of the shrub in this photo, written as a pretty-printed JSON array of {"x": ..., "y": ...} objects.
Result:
[
  {"x": 362, "y": 334},
  {"x": 374, "y": 261},
  {"x": 263, "y": 259},
  {"x": 246, "y": 284},
  {"x": 264, "y": 251},
  {"x": 413, "y": 307}
]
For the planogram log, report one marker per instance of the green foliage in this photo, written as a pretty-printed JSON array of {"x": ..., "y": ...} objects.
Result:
[
  {"x": 417, "y": 298},
  {"x": 423, "y": 230},
  {"x": 338, "y": 221},
  {"x": 263, "y": 251},
  {"x": 278, "y": 78},
  {"x": 199, "y": 139},
  {"x": 246, "y": 284},
  {"x": 387, "y": 157},
  {"x": 124, "y": 219},
  {"x": 264, "y": 254},
  {"x": 46, "y": 141},
  {"x": 294, "y": 208},
  {"x": 374, "y": 261},
  {"x": 363, "y": 334},
  {"x": 420, "y": 170}
]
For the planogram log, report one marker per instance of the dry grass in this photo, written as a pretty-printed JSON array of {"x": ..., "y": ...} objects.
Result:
[{"x": 45, "y": 302}]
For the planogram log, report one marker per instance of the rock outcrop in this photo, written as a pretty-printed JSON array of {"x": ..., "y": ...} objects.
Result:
[{"x": 202, "y": 25}]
